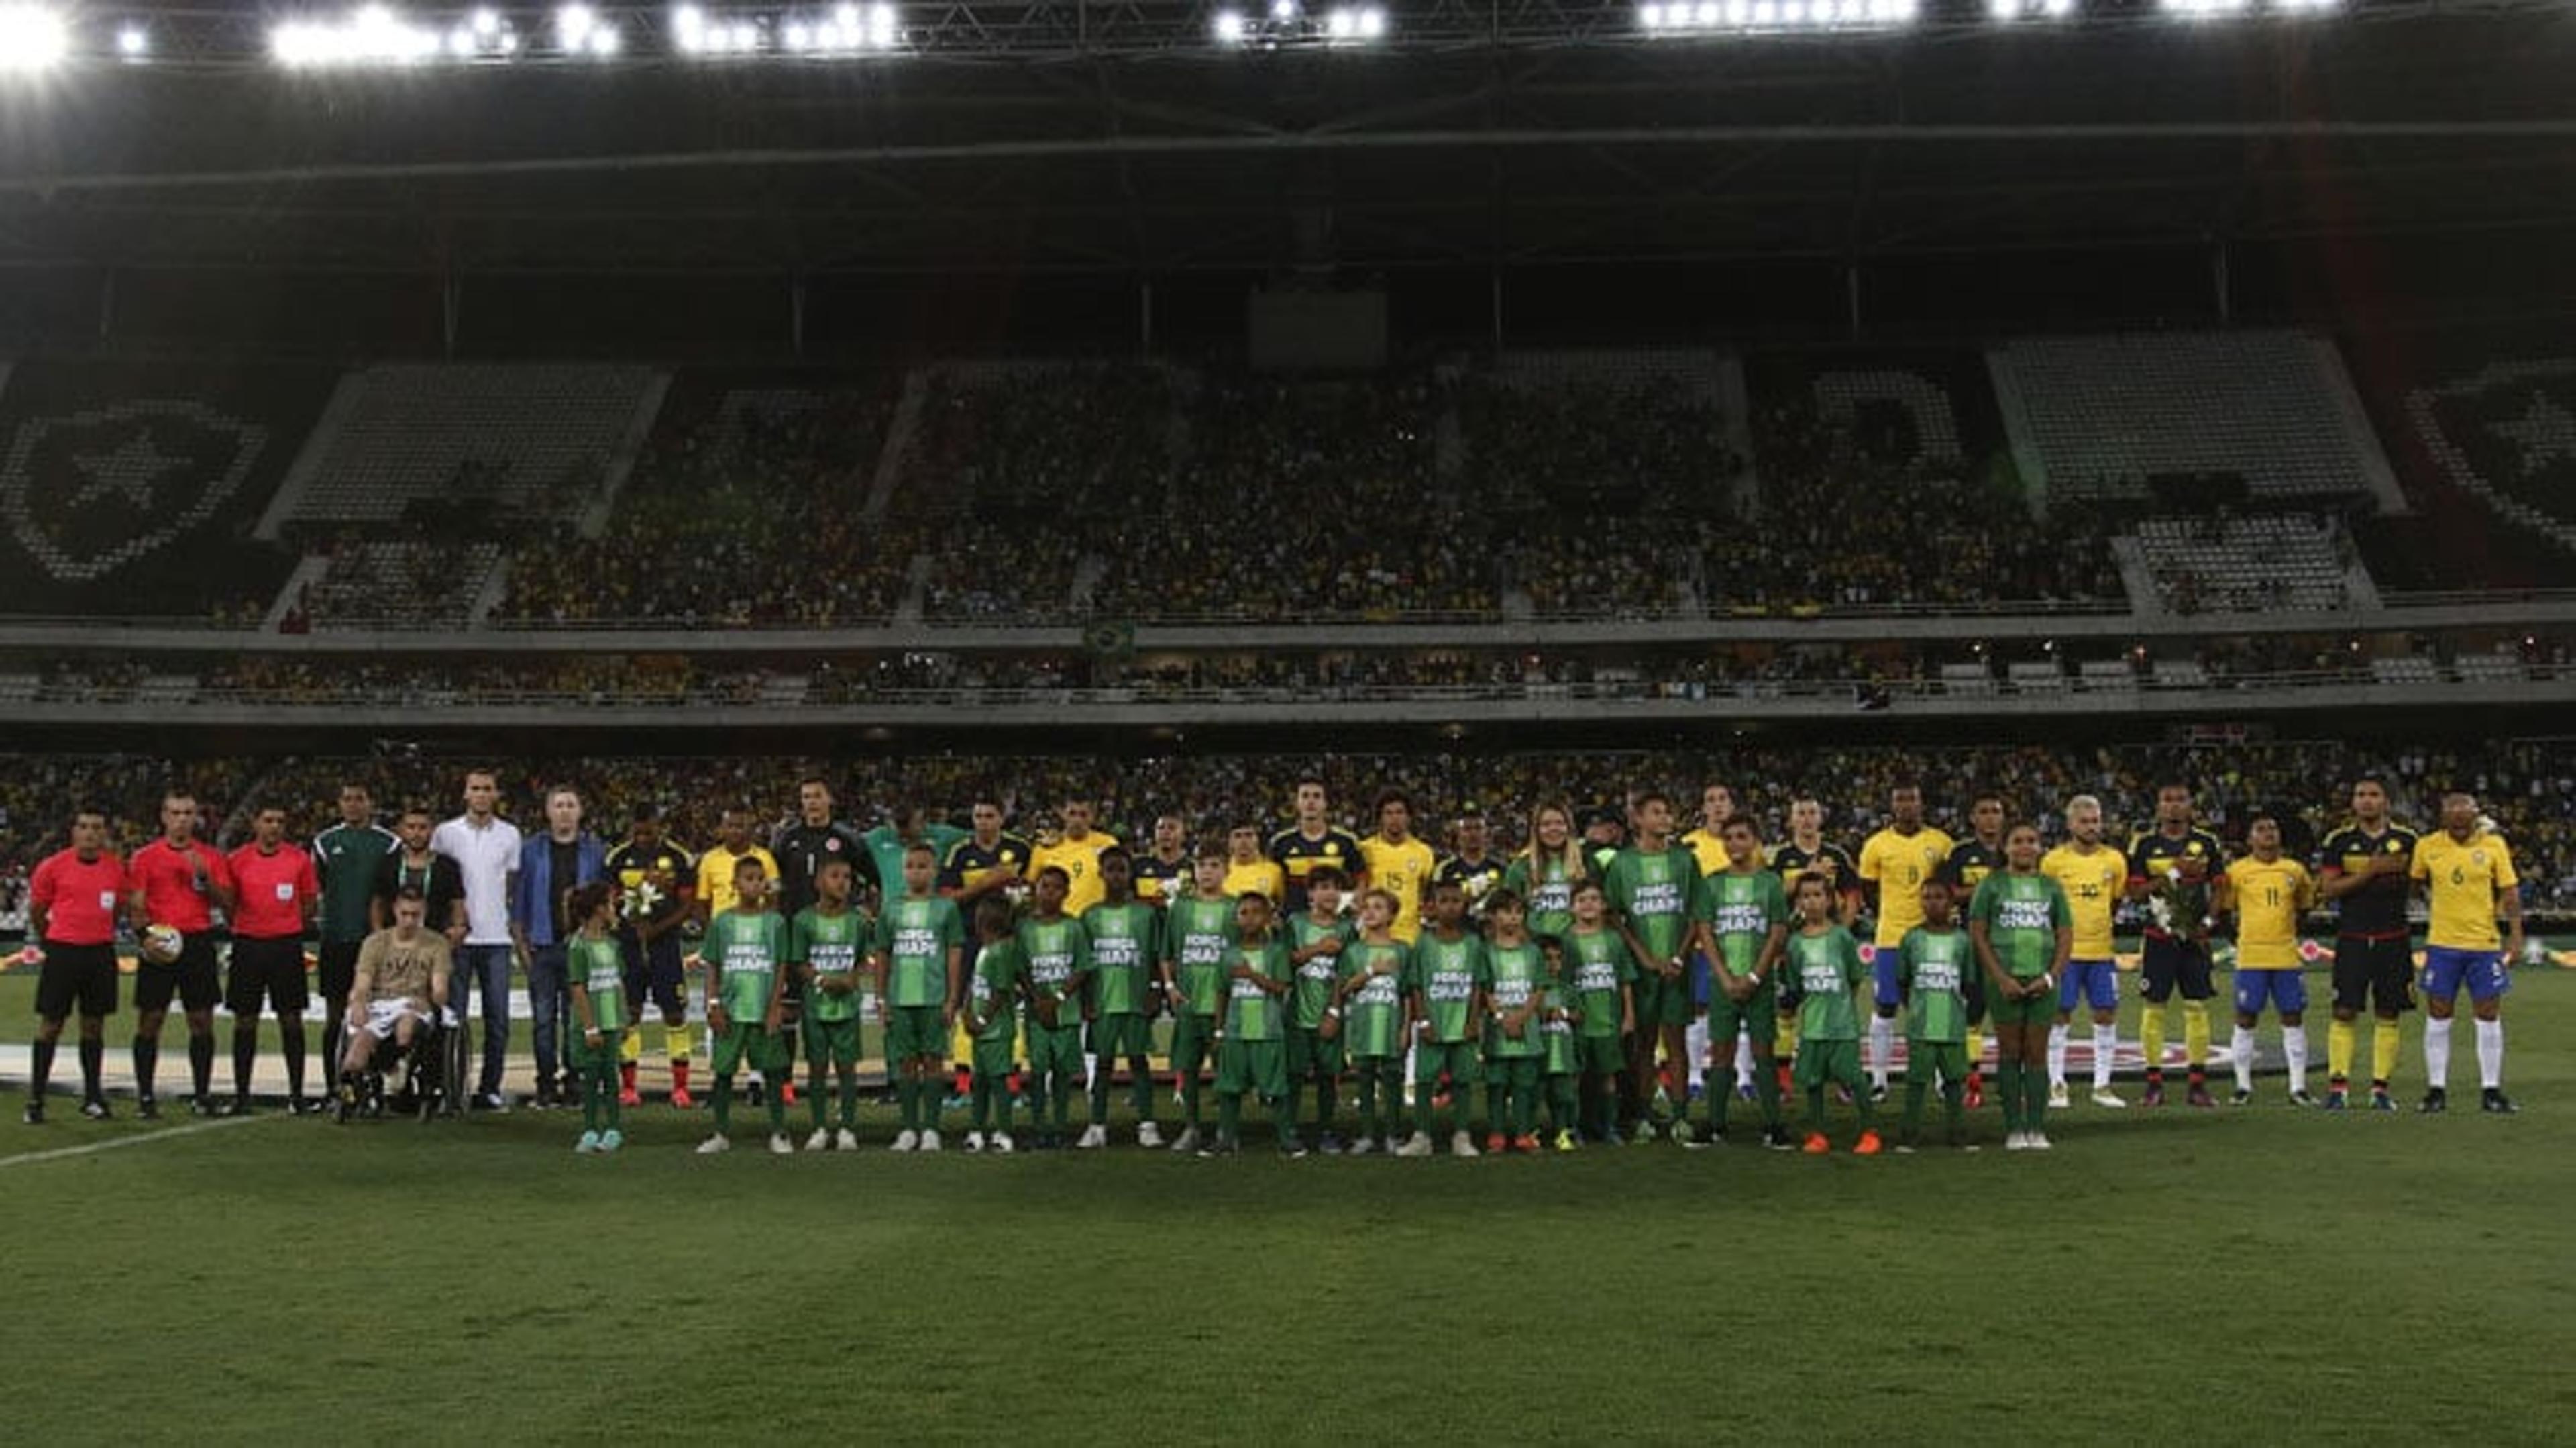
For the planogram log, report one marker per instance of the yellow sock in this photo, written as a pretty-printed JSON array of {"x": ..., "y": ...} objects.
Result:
[
  {"x": 2339, "y": 1041},
  {"x": 630, "y": 1046},
  {"x": 2151, "y": 1034},
  {"x": 2195, "y": 1033},
  {"x": 1784, "y": 1042},
  {"x": 675, "y": 1040},
  {"x": 2383, "y": 1050}
]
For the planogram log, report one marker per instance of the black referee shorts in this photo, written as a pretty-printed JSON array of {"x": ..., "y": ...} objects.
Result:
[
  {"x": 191, "y": 978},
  {"x": 267, "y": 969},
  {"x": 2168, "y": 965},
  {"x": 76, "y": 976},
  {"x": 2366, "y": 968}
]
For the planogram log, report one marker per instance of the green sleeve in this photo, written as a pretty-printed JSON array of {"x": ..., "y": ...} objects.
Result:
[
  {"x": 1854, "y": 969},
  {"x": 1081, "y": 940},
  {"x": 1775, "y": 898},
  {"x": 2060, "y": 913},
  {"x": 1484, "y": 967},
  {"x": 1981, "y": 905},
  {"x": 1614, "y": 884},
  {"x": 952, "y": 926},
  {"x": 800, "y": 944},
  {"x": 1516, "y": 878},
  {"x": 881, "y": 938}
]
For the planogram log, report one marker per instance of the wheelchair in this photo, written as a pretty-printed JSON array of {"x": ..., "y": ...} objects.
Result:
[{"x": 398, "y": 1080}]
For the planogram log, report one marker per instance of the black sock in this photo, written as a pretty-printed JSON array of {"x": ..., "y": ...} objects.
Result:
[
  {"x": 147, "y": 1057},
  {"x": 201, "y": 1061},
  {"x": 245, "y": 1052},
  {"x": 40, "y": 1069},
  {"x": 293, "y": 1031},
  {"x": 93, "y": 1057}
]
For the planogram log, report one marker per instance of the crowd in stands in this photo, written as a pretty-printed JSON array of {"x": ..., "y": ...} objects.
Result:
[{"x": 1594, "y": 448}]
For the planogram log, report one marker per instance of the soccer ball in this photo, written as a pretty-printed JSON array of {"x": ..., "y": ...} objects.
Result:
[{"x": 161, "y": 944}]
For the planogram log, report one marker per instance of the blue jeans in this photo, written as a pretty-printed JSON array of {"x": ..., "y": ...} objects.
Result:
[
  {"x": 485, "y": 967},
  {"x": 549, "y": 1002}
]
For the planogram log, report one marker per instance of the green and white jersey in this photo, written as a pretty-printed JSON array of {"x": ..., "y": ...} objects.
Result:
[
  {"x": 2021, "y": 914},
  {"x": 1556, "y": 1038},
  {"x": 915, "y": 935},
  {"x": 1251, "y": 1013},
  {"x": 1317, "y": 976},
  {"x": 1656, "y": 893},
  {"x": 601, "y": 968},
  {"x": 1055, "y": 951},
  {"x": 1446, "y": 974},
  {"x": 992, "y": 985},
  {"x": 1373, "y": 1013},
  {"x": 1597, "y": 965},
  {"x": 1740, "y": 910},
  {"x": 1933, "y": 966},
  {"x": 1515, "y": 974},
  {"x": 1546, "y": 889},
  {"x": 830, "y": 944},
  {"x": 1828, "y": 970},
  {"x": 745, "y": 951},
  {"x": 1196, "y": 935},
  {"x": 1122, "y": 940}
]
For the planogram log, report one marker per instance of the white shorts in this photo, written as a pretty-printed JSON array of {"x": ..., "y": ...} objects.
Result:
[{"x": 384, "y": 1016}]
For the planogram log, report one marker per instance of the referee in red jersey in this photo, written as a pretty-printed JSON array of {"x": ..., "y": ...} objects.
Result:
[
  {"x": 276, "y": 891},
  {"x": 177, "y": 881},
  {"x": 72, "y": 901}
]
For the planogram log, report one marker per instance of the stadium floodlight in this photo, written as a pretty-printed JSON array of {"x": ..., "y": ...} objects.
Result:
[
  {"x": 133, "y": 42},
  {"x": 32, "y": 38},
  {"x": 581, "y": 30},
  {"x": 1228, "y": 27},
  {"x": 1283, "y": 11},
  {"x": 689, "y": 31}
]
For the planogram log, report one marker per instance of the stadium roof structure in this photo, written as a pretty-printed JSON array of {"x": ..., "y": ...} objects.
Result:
[{"x": 1120, "y": 139}]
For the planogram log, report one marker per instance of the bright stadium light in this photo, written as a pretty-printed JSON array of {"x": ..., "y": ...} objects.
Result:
[
  {"x": 1228, "y": 27},
  {"x": 133, "y": 42},
  {"x": 689, "y": 29},
  {"x": 371, "y": 35},
  {"x": 583, "y": 31},
  {"x": 32, "y": 38}
]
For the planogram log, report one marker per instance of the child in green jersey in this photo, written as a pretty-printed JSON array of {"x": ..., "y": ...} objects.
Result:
[
  {"x": 1933, "y": 967},
  {"x": 1562, "y": 1065},
  {"x": 1251, "y": 1050},
  {"x": 1316, "y": 942},
  {"x": 1743, "y": 928},
  {"x": 1514, "y": 1051},
  {"x": 919, "y": 958},
  {"x": 1448, "y": 987},
  {"x": 2024, "y": 931},
  {"x": 1374, "y": 1025},
  {"x": 1825, "y": 960},
  {"x": 1122, "y": 932},
  {"x": 1058, "y": 960},
  {"x": 824, "y": 948},
  {"x": 1197, "y": 932},
  {"x": 596, "y": 970},
  {"x": 742, "y": 952},
  {"x": 991, "y": 990},
  {"x": 1600, "y": 977}
]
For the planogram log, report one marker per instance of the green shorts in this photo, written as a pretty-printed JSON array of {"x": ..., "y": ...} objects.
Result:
[
  {"x": 2038, "y": 1010},
  {"x": 1923, "y": 1059},
  {"x": 1457, "y": 1058},
  {"x": 1389, "y": 1069},
  {"x": 1191, "y": 1038},
  {"x": 601, "y": 1060},
  {"x": 914, "y": 1031},
  {"x": 1822, "y": 1062},
  {"x": 1516, "y": 1071},
  {"x": 1756, "y": 1017},
  {"x": 745, "y": 1045},
  {"x": 1662, "y": 1002},
  {"x": 1310, "y": 1054},
  {"x": 1055, "y": 1049},
  {"x": 834, "y": 1041},
  {"x": 1125, "y": 1036},
  {"x": 1260, "y": 1067},
  {"x": 993, "y": 1059},
  {"x": 1601, "y": 1055}
]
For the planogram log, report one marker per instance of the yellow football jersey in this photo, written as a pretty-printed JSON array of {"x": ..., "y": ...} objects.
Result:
[
  {"x": 1081, "y": 865},
  {"x": 2462, "y": 881},
  {"x": 2269, "y": 899},
  {"x": 1401, "y": 871},
  {"x": 1710, "y": 851},
  {"x": 1261, "y": 877},
  {"x": 1900, "y": 864},
  {"x": 715, "y": 875},
  {"x": 2093, "y": 884}
]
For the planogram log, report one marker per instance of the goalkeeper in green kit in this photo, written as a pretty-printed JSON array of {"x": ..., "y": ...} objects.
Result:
[
  {"x": 743, "y": 951},
  {"x": 1933, "y": 967}
]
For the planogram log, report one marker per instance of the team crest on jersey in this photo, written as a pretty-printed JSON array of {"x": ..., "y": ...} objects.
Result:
[{"x": 88, "y": 492}]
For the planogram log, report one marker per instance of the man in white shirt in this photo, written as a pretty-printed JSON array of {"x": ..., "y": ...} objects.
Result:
[{"x": 485, "y": 848}]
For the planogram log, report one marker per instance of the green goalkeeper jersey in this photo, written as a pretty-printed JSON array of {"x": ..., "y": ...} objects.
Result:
[
  {"x": 745, "y": 951},
  {"x": 1122, "y": 956},
  {"x": 829, "y": 944},
  {"x": 1196, "y": 935},
  {"x": 915, "y": 936},
  {"x": 1514, "y": 975},
  {"x": 1828, "y": 970},
  {"x": 991, "y": 987},
  {"x": 1598, "y": 966},
  {"x": 1251, "y": 1013},
  {"x": 1933, "y": 966},
  {"x": 1373, "y": 1012},
  {"x": 1446, "y": 974},
  {"x": 1317, "y": 976},
  {"x": 1740, "y": 910},
  {"x": 1656, "y": 892},
  {"x": 601, "y": 968},
  {"x": 2021, "y": 915},
  {"x": 1054, "y": 952}
]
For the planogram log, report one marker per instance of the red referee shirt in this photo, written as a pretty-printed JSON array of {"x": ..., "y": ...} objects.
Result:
[
  {"x": 80, "y": 897},
  {"x": 272, "y": 891},
  {"x": 167, "y": 879}
]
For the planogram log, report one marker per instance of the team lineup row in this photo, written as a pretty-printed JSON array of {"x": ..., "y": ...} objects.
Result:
[{"x": 1597, "y": 960}]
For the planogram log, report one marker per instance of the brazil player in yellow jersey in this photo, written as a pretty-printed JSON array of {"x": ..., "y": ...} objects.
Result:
[
  {"x": 1398, "y": 862},
  {"x": 2268, "y": 891},
  {"x": 2469, "y": 883},
  {"x": 714, "y": 896},
  {"x": 1708, "y": 839},
  {"x": 1076, "y": 851},
  {"x": 2093, "y": 875},
  {"x": 1894, "y": 863},
  {"x": 1249, "y": 870}
]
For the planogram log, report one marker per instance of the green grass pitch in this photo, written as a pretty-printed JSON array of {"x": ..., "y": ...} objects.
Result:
[{"x": 2235, "y": 1276}]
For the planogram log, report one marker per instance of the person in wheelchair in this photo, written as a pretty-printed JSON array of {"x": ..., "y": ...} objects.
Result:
[{"x": 399, "y": 995}]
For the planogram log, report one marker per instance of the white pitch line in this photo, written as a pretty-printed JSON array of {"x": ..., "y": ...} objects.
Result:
[{"x": 59, "y": 1153}]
